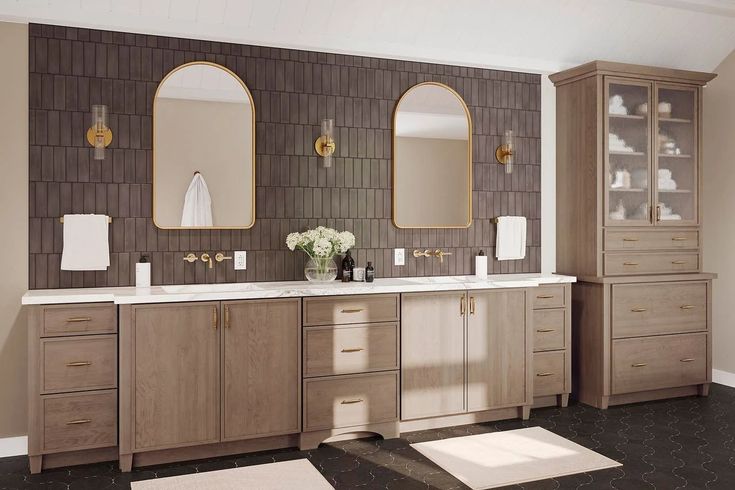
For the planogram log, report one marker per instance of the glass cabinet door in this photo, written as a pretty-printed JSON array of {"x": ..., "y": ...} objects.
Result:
[
  {"x": 676, "y": 168},
  {"x": 627, "y": 152}
]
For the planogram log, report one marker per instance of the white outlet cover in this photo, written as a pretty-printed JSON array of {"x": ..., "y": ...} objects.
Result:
[
  {"x": 399, "y": 256},
  {"x": 241, "y": 260}
]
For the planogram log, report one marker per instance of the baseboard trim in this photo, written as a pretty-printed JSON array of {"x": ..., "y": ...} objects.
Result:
[
  {"x": 723, "y": 378},
  {"x": 13, "y": 446}
]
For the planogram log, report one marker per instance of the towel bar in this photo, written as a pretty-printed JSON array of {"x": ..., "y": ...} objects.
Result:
[{"x": 109, "y": 219}]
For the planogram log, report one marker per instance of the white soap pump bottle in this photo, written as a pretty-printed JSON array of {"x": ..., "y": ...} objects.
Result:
[
  {"x": 481, "y": 265},
  {"x": 143, "y": 273}
]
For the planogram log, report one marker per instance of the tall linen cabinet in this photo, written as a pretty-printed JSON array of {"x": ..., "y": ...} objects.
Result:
[{"x": 628, "y": 225}]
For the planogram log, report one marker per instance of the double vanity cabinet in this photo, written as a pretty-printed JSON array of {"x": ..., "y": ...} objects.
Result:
[{"x": 161, "y": 378}]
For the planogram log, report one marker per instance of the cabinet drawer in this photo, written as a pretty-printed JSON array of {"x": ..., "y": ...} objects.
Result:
[
  {"x": 549, "y": 329},
  {"x": 650, "y": 263},
  {"x": 548, "y": 296},
  {"x": 549, "y": 373},
  {"x": 661, "y": 308},
  {"x": 78, "y": 363},
  {"x": 350, "y": 349},
  {"x": 338, "y": 310},
  {"x": 636, "y": 240},
  {"x": 652, "y": 363},
  {"x": 79, "y": 319},
  {"x": 346, "y": 401},
  {"x": 79, "y": 421}
]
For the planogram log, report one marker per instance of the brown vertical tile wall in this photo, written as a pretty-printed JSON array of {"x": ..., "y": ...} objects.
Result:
[{"x": 71, "y": 69}]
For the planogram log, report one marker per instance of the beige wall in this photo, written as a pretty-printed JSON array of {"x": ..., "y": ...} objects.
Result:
[
  {"x": 719, "y": 207},
  {"x": 14, "y": 225},
  {"x": 214, "y": 138}
]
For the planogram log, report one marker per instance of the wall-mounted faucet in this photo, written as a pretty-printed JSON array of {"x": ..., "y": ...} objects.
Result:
[
  {"x": 439, "y": 253},
  {"x": 206, "y": 258}
]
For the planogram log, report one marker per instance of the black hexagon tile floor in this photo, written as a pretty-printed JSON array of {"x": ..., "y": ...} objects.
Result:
[{"x": 686, "y": 443}]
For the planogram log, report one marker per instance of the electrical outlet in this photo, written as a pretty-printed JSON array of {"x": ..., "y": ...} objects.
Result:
[
  {"x": 241, "y": 262},
  {"x": 399, "y": 256}
]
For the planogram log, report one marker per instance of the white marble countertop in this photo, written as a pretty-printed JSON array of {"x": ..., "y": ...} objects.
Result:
[{"x": 290, "y": 289}]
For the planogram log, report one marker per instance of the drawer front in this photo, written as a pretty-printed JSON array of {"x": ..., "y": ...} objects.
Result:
[
  {"x": 79, "y": 319},
  {"x": 661, "y": 308},
  {"x": 548, "y": 296},
  {"x": 350, "y": 349},
  {"x": 346, "y": 401},
  {"x": 351, "y": 309},
  {"x": 627, "y": 264},
  {"x": 652, "y": 363},
  {"x": 637, "y": 240},
  {"x": 549, "y": 373},
  {"x": 78, "y": 363},
  {"x": 80, "y": 421},
  {"x": 549, "y": 327}
]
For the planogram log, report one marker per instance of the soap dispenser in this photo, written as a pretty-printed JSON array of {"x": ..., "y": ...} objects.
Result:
[
  {"x": 481, "y": 265},
  {"x": 143, "y": 273}
]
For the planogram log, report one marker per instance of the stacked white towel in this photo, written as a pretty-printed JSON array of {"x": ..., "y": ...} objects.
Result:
[
  {"x": 510, "y": 238},
  {"x": 615, "y": 106},
  {"x": 667, "y": 213},
  {"x": 665, "y": 181},
  {"x": 618, "y": 144},
  {"x": 86, "y": 243}
]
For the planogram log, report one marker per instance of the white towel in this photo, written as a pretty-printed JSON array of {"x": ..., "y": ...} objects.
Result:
[
  {"x": 197, "y": 204},
  {"x": 510, "y": 238},
  {"x": 86, "y": 243}
]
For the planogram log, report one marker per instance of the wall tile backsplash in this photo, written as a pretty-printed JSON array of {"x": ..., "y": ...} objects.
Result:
[{"x": 71, "y": 69}]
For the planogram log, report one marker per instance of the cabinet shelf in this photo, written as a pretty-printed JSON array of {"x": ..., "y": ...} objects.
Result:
[
  {"x": 627, "y": 153},
  {"x": 674, "y": 120},
  {"x": 663, "y": 155},
  {"x": 626, "y": 116},
  {"x": 674, "y": 191},
  {"x": 628, "y": 190}
]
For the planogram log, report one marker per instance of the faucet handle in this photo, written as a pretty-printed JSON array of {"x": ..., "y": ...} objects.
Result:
[
  {"x": 220, "y": 257},
  {"x": 191, "y": 258},
  {"x": 440, "y": 253}
]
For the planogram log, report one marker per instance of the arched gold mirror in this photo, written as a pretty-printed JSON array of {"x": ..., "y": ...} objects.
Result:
[
  {"x": 203, "y": 149},
  {"x": 432, "y": 159}
]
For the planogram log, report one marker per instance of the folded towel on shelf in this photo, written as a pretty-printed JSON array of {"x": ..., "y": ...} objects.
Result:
[
  {"x": 510, "y": 238},
  {"x": 615, "y": 106},
  {"x": 86, "y": 243}
]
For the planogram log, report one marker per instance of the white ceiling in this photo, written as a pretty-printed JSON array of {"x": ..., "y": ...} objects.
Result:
[
  {"x": 531, "y": 35},
  {"x": 203, "y": 82}
]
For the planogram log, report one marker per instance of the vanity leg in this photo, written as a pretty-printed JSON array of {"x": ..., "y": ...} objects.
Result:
[
  {"x": 35, "y": 463},
  {"x": 308, "y": 441},
  {"x": 604, "y": 402},
  {"x": 703, "y": 389},
  {"x": 563, "y": 399},
  {"x": 525, "y": 412},
  {"x": 126, "y": 463}
]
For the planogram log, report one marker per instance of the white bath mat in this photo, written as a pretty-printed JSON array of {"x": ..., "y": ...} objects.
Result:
[
  {"x": 286, "y": 475},
  {"x": 510, "y": 457}
]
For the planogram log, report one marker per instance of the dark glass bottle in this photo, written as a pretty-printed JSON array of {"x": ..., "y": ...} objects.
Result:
[
  {"x": 348, "y": 263},
  {"x": 369, "y": 272}
]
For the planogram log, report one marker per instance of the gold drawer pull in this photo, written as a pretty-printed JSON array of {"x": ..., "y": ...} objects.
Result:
[
  {"x": 352, "y": 310},
  {"x": 79, "y": 363},
  {"x": 544, "y": 374},
  {"x": 630, "y": 263},
  {"x": 626, "y": 239},
  {"x": 678, "y": 262},
  {"x": 687, "y": 359},
  {"x": 639, "y": 364},
  {"x": 350, "y": 402},
  {"x": 356, "y": 349},
  {"x": 679, "y": 238},
  {"x": 545, "y": 330},
  {"x": 638, "y": 310},
  {"x": 687, "y": 307},
  {"x": 79, "y": 319},
  {"x": 78, "y": 422},
  {"x": 544, "y": 296}
]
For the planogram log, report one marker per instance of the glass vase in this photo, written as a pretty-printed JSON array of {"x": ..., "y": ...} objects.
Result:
[{"x": 320, "y": 269}]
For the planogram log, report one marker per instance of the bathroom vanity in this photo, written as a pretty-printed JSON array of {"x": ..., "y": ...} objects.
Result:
[{"x": 169, "y": 373}]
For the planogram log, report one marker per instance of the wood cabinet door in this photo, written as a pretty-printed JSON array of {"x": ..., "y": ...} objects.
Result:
[
  {"x": 261, "y": 368},
  {"x": 176, "y": 375},
  {"x": 432, "y": 354},
  {"x": 497, "y": 349}
]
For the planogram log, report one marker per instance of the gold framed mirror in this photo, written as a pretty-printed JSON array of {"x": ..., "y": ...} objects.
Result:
[
  {"x": 432, "y": 159},
  {"x": 203, "y": 149}
]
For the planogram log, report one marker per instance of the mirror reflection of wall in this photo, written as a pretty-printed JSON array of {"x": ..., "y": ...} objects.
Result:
[
  {"x": 203, "y": 149},
  {"x": 432, "y": 160}
]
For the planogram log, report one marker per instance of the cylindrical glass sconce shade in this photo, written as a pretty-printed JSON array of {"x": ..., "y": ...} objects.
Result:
[{"x": 99, "y": 123}]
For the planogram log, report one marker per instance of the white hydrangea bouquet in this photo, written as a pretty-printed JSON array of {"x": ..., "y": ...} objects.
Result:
[{"x": 321, "y": 245}]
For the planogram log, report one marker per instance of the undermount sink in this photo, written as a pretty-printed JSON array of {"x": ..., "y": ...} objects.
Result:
[{"x": 209, "y": 288}]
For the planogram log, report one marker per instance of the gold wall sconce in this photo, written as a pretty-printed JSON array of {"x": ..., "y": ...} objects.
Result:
[
  {"x": 325, "y": 144},
  {"x": 505, "y": 152},
  {"x": 99, "y": 135}
]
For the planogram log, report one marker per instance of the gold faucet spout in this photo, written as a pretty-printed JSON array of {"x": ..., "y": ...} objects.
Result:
[{"x": 206, "y": 258}]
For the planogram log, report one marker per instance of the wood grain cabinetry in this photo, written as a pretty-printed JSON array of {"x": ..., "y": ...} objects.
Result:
[
  {"x": 72, "y": 384},
  {"x": 464, "y": 352},
  {"x": 628, "y": 176}
]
